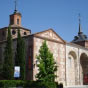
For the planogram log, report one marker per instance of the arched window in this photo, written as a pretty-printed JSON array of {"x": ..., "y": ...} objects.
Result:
[
  {"x": 18, "y": 21},
  {"x": 11, "y": 21}
]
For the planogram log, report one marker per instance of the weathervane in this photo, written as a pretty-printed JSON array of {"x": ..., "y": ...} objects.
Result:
[{"x": 15, "y": 6}]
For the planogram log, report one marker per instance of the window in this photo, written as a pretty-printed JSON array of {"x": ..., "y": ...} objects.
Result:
[
  {"x": 25, "y": 33},
  {"x": 11, "y": 21},
  {"x": 18, "y": 21},
  {"x": 13, "y": 32}
]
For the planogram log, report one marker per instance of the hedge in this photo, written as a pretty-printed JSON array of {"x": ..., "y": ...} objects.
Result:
[
  {"x": 11, "y": 83},
  {"x": 26, "y": 84}
]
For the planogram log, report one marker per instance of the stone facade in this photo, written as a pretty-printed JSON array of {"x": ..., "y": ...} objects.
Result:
[
  {"x": 71, "y": 59},
  {"x": 57, "y": 46},
  {"x": 74, "y": 74},
  {"x": 66, "y": 55}
]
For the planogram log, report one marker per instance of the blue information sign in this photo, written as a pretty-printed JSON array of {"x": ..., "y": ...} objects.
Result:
[{"x": 16, "y": 71}]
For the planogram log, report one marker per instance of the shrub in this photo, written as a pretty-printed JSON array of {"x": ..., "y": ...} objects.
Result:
[
  {"x": 11, "y": 83},
  {"x": 27, "y": 84}
]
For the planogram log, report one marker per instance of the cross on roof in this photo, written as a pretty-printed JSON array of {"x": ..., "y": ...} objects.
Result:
[{"x": 15, "y": 6}]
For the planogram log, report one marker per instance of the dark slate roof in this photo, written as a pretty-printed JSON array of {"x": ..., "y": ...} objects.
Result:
[{"x": 80, "y": 36}]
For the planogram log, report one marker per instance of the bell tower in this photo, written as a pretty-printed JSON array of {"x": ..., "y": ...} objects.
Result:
[
  {"x": 15, "y": 24},
  {"x": 15, "y": 18}
]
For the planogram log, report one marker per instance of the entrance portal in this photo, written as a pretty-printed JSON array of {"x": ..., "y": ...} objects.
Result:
[{"x": 84, "y": 69}]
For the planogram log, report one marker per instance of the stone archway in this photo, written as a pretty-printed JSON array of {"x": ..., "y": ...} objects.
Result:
[
  {"x": 84, "y": 69},
  {"x": 72, "y": 66}
]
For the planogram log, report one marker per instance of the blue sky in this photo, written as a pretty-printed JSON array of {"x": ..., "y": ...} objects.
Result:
[{"x": 39, "y": 15}]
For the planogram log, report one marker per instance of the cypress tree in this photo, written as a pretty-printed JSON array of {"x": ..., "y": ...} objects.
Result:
[
  {"x": 20, "y": 55},
  {"x": 8, "y": 66},
  {"x": 47, "y": 66}
]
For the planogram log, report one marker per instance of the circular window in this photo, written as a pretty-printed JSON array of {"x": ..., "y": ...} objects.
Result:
[
  {"x": 13, "y": 32},
  {"x": 25, "y": 33}
]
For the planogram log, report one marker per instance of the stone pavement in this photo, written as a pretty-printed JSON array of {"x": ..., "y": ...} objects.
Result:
[{"x": 80, "y": 86}]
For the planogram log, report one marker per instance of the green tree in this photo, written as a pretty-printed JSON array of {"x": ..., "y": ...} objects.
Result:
[
  {"x": 1, "y": 70},
  {"x": 20, "y": 55},
  {"x": 8, "y": 65},
  {"x": 47, "y": 66}
]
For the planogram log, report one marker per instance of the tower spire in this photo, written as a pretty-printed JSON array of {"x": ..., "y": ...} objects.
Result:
[
  {"x": 15, "y": 6},
  {"x": 80, "y": 30}
]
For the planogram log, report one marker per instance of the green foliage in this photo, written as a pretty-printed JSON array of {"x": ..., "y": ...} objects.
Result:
[
  {"x": 47, "y": 66},
  {"x": 11, "y": 83},
  {"x": 40, "y": 84},
  {"x": 8, "y": 66},
  {"x": 34, "y": 84},
  {"x": 1, "y": 70},
  {"x": 25, "y": 84},
  {"x": 20, "y": 55},
  {"x": 1, "y": 66}
]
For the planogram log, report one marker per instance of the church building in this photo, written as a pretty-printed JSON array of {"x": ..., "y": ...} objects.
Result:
[{"x": 70, "y": 57}]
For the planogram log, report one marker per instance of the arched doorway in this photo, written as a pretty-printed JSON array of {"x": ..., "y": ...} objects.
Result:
[
  {"x": 84, "y": 69},
  {"x": 72, "y": 65}
]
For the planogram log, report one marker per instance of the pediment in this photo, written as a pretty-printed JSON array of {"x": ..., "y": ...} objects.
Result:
[{"x": 50, "y": 34}]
